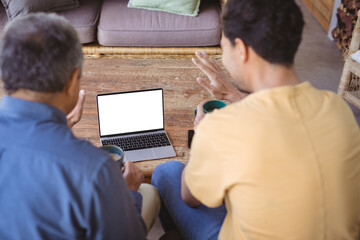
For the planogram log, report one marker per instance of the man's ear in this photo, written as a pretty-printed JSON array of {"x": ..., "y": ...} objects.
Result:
[
  {"x": 242, "y": 50},
  {"x": 72, "y": 82}
]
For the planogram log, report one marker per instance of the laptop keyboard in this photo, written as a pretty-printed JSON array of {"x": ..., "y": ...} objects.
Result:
[{"x": 139, "y": 142}]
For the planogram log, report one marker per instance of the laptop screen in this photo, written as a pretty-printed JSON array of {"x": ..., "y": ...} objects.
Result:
[{"x": 130, "y": 112}]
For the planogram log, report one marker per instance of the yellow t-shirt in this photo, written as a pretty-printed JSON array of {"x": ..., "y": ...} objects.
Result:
[{"x": 286, "y": 161}]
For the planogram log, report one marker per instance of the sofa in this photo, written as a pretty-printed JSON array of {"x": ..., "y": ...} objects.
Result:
[{"x": 112, "y": 23}]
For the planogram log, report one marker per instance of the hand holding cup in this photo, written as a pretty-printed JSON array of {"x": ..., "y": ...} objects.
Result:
[
  {"x": 132, "y": 175},
  {"x": 206, "y": 107}
]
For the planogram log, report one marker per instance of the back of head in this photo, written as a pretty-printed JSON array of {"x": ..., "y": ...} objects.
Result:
[
  {"x": 272, "y": 28},
  {"x": 39, "y": 52}
]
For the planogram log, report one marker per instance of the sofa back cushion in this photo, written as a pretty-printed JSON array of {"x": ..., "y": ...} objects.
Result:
[
  {"x": 16, "y": 8},
  {"x": 118, "y": 26}
]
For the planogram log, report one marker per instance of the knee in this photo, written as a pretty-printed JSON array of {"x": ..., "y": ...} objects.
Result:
[
  {"x": 166, "y": 171},
  {"x": 151, "y": 204}
]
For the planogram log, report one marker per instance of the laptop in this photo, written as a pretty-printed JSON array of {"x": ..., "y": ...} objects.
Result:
[{"x": 134, "y": 121}]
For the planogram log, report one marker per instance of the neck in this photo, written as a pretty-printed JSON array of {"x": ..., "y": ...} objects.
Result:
[
  {"x": 265, "y": 76},
  {"x": 53, "y": 99}
]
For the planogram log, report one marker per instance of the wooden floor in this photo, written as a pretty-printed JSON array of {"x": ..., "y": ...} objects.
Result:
[
  {"x": 175, "y": 74},
  {"x": 181, "y": 92}
]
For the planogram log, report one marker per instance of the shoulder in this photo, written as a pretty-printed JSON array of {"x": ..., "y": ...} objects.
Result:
[{"x": 233, "y": 115}]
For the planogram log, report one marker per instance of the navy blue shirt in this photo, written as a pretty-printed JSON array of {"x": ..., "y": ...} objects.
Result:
[{"x": 55, "y": 186}]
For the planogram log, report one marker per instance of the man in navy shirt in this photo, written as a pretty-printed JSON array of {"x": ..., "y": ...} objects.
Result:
[{"x": 53, "y": 185}]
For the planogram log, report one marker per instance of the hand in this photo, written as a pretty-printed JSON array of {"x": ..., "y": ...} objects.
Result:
[
  {"x": 75, "y": 115},
  {"x": 220, "y": 86},
  {"x": 200, "y": 114},
  {"x": 132, "y": 175}
]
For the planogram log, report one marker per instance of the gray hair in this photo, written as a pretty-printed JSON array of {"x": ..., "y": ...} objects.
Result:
[{"x": 39, "y": 52}]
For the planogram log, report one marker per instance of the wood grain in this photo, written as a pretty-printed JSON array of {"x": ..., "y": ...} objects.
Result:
[
  {"x": 322, "y": 10},
  {"x": 95, "y": 50},
  {"x": 181, "y": 93}
]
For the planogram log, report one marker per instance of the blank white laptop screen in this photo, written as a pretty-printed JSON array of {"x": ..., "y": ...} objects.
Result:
[{"x": 121, "y": 113}]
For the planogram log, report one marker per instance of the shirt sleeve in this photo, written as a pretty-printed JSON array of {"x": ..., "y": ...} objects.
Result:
[
  {"x": 204, "y": 173},
  {"x": 137, "y": 201},
  {"x": 114, "y": 212}
]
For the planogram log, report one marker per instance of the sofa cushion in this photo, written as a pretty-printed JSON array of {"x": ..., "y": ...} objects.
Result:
[
  {"x": 84, "y": 19},
  {"x": 122, "y": 26},
  {"x": 182, "y": 7},
  {"x": 23, "y": 7},
  {"x": 3, "y": 19}
]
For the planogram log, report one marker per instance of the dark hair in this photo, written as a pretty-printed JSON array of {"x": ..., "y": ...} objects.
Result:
[
  {"x": 272, "y": 28},
  {"x": 39, "y": 52}
]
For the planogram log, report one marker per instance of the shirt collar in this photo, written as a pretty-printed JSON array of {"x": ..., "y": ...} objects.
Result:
[{"x": 35, "y": 110}]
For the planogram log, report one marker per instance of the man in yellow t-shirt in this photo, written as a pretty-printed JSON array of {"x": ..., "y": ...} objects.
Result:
[{"x": 280, "y": 163}]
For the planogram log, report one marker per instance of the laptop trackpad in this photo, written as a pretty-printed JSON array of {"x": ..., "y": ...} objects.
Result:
[{"x": 139, "y": 155}]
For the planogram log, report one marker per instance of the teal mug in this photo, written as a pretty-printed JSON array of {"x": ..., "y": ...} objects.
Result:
[
  {"x": 211, "y": 105},
  {"x": 116, "y": 153}
]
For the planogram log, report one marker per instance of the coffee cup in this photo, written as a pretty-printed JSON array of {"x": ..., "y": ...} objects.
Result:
[
  {"x": 116, "y": 153},
  {"x": 211, "y": 105}
]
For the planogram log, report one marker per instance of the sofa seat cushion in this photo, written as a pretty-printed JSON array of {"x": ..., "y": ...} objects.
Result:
[
  {"x": 84, "y": 19},
  {"x": 122, "y": 26}
]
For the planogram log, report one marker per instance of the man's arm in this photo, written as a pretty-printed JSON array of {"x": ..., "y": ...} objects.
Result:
[
  {"x": 186, "y": 195},
  {"x": 114, "y": 210}
]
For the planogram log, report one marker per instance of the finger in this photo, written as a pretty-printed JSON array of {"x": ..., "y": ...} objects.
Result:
[
  {"x": 129, "y": 164},
  {"x": 129, "y": 168},
  {"x": 125, "y": 169},
  {"x": 204, "y": 54},
  {"x": 204, "y": 68},
  {"x": 200, "y": 64},
  {"x": 80, "y": 103},
  {"x": 199, "y": 115},
  {"x": 207, "y": 60},
  {"x": 205, "y": 84},
  {"x": 81, "y": 99},
  {"x": 203, "y": 57},
  {"x": 200, "y": 110},
  {"x": 201, "y": 104},
  {"x": 139, "y": 175},
  {"x": 212, "y": 68},
  {"x": 214, "y": 64},
  {"x": 76, "y": 114},
  {"x": 126, "y": 165},
  {"x": 137, "y": 169}
]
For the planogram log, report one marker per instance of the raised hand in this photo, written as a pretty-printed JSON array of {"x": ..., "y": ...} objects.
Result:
[
  {"x": 132, "y": 175},
  {"x": 220, "y": 85},
  {"x": 75, "y": 115}
]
